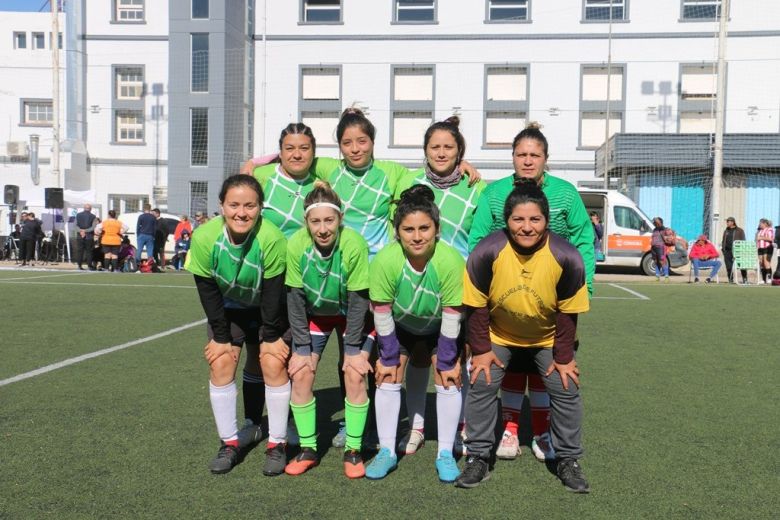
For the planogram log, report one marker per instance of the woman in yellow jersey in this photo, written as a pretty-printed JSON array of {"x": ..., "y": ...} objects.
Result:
[{"x": 523, "y": 290}]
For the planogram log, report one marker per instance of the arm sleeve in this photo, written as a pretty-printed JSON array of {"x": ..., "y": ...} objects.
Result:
[
  {"x": 478, "y": 321},
  {"x": 213, "y": 305},
  {"x": 581, "y": 236},
  {"x": 482, "y": 222},
  {"x": 447, "y": 346},
  {"x": 389, "y": 348},
  {"x": 357, "y": 307},
  {"x": 565, "y": 334},
  {"x": 299, "y": 322},
  {"x": 272, "y": 308}
]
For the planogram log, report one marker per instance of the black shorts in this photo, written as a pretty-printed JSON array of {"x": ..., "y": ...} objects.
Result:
[
  {"x": 111, "y": 250},
  {"x": 766, "y": 251},
  {"x": 244, "y": 326},
  {"x": 408, "y": 341}
]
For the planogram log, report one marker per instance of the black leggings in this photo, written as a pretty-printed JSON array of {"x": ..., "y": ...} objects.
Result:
[{"x": 28, "y": 250}]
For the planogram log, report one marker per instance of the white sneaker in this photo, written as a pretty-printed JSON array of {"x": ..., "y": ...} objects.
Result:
[
  {"x": 542, "y": 447},
  {"x": 340, "y": 440},
  {"x": 292, "y": 434},
  {"x": 412, "y": 441},
  {"x": 509, "y": 448},
  {"x": 249, "y": 434}
]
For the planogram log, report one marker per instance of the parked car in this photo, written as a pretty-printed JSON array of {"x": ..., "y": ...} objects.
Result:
[
  {"x": 627, "y": 232},
  {"x": 170, "y": 221}
]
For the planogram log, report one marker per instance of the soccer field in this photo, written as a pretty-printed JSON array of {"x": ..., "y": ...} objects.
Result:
[{"x": 679, "y": 383}]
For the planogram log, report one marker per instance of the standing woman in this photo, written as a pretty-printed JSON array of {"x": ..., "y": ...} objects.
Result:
[
  {"x": 327, "y": 291},
  {"x": 568, "y": 219},
  {"x": 110, "y": 237},
  {"x": 31, "y": 230},
  {"x": 764, "y": 238},
  {"x": 658, "y": 249},
  {"x": 416, "y": 291},
  {"x": 456, "y": 199},
  {"x": 238, "y": 261},
  {"x": 524, "y": 288}
]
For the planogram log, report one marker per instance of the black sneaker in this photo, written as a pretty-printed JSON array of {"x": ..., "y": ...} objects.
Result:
[
  {"x": 275, "y": 460},
  {"x": 475, "y": 471},
  {"x": 570, "y": 473},
  {"x": 226, "y": 459}
]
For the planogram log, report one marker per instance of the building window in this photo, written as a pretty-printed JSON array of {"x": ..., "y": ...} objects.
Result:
[
  {"x": 20, "y": 40},
  {"x": 129, "y": 83},
  {"x": 506, "y": 103},
  {"x": 199, "y": 136},
  {"x": 199, "y": 197},
  {"x": 37, "y": 112},
  {"x": 320, "y": 101},
  {"x": 129, "y": 10},
  {"x": 699, "y": 82},
  {"x": 412, "y": 104},
  {"x": 200, "y": 9},
  {"x": 605, "y": 10},
  {"x": 507, "y": 10},
  {"x": 701, "y": 9},
  {"x": 129, "y": 126},
  {"x": 125, "y": 203},
  {"x": 38, "y": 40},
  {"x": 697, "y": 122},
  {"x": 321, "y": 11},
  {"x": 594, "y": 100},
  {"x": 415, "y": 11},
  {"x": 200, "y": 63}
]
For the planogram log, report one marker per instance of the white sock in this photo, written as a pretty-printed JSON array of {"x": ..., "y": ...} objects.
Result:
[
  {"x": 223, "y": 406},
  {"x": 416, "y": 389},
  {"x": 465, "y": 379},
  {"x": 387, "y": 404},
  {"x": 277, "y": 401},
  {"x": 448, "y": 405}
]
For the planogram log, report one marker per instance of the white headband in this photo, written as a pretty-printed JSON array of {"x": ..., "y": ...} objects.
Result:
[{"x": 321, "y": 205}]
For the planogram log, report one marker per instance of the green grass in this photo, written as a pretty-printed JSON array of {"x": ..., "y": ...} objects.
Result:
[{"x": 681, "y": 415}]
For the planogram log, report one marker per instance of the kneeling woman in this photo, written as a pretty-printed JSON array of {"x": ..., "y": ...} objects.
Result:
[
  {"x": 327, "y": 290},
  {"x": 238, "y": 263},
  {"x": 523, "y": 290},
  {"x": 416, "y": 291}
]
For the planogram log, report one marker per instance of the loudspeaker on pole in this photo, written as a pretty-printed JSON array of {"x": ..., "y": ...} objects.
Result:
[
  {"x": 10, "y": 194},
  {"x": 54, "y": 198}
]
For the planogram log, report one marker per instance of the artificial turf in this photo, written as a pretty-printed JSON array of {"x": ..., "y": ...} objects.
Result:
[{"x": 681, "y": 414}]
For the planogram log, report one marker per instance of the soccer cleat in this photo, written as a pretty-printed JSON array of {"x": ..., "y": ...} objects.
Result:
[
  {"x": 474, "y": 472},
  {"x": 541, "y": 445},
  {"x": 383, "y": 463},
  {"x": 302, "y": 462},
  {"x": 570, "y": 473},
  {"x": 275, "y": 460},
  {"x": 292, "y": 434},
  {"x": 353, "y": 464},
  {"x": 446, "y": 467},
  {"x": 695, "y": 280},
  {"x": 509, "y": 448},
  {"x": 250, "y": 434},
  {"x": 226, "y": 459},
  {"x": 412, "y": 441},
  {"x": 340, "y": 440},
  {"x": 708, "y": 280}
]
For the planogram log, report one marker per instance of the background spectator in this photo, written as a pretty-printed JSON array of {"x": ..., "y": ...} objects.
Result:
[{"x": 704, "y": 254}]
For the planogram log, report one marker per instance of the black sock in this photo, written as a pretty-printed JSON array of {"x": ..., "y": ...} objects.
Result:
[
  {"x": 114, "y": 264},
  {"x": 254, "y": 396}
]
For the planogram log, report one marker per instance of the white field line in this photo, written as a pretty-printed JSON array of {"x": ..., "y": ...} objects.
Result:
[
  {"x": 614, "y": 298},
  {"x": 85, "y": 284},
  {"x": 84, "y": 357},
  {"x": 638, "y": 295},
  {"x": 37, "y": 277}
]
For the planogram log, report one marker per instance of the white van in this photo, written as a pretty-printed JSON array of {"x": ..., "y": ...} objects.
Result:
[{"x": 627, "y": 232}]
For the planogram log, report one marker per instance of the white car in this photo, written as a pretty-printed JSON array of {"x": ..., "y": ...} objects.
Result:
[{"x": 171, "y": 221}]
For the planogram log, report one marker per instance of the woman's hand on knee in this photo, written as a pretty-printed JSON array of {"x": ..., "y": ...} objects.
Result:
[
  {"x": 214, "y": 350},
  {"x": 566, "y": 370},
  {"x": 483, "y": 363},
  {"x": 358, "y": 364},
  {"x": 300, "y": 363},
  {"x": 385, "y": 374},
  {"x": 277, "y": 349}
]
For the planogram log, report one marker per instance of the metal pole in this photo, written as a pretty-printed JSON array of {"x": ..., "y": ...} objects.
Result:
[
  {"x": 609, "y": 81},
  {"x": 720, "y": 105},
  {"x": 55, "y": 98}
]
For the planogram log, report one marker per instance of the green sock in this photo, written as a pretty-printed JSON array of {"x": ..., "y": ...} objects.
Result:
[
  {"x": 306, "y": 421},
  {"x": 355, "y": 416}
]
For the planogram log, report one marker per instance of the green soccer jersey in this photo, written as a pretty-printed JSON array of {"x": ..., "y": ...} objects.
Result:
[
  {"x": 456, "y": 207},
  {"x": 568, "y": 216},
  {"x": 283, "y": 204},
  {"x": 326, "y": 280},
  {"x": 418, "y": 297},
  {"x": 365, "y": 196},
  {"x": 239, "y": 270}
]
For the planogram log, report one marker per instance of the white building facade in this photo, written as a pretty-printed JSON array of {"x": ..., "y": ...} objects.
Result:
[{"x": 161, "y": 100}]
